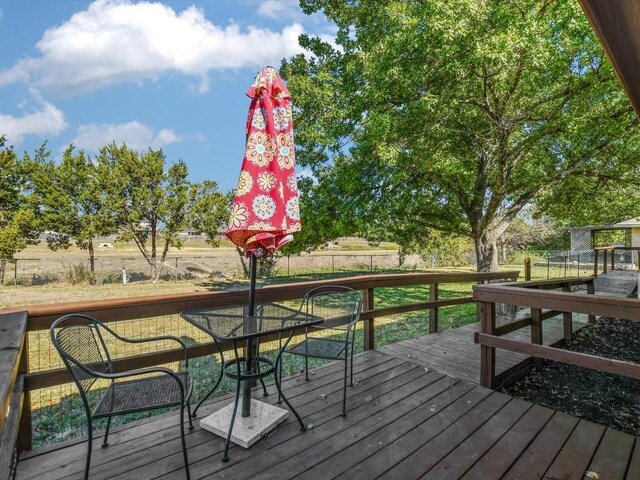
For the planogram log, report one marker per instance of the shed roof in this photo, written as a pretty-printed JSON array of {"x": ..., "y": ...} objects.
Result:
[{"x": 630, "y": 223}]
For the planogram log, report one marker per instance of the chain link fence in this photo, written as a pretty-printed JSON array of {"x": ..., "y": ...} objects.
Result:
[{"x": 114, "y": 269}]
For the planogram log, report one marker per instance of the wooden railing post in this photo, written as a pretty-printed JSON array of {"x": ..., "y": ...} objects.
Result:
[
  {"x": 536, "y": 330},
  {"x": 433, "y": 312},
  {"x": 368, "y": 326},
  {"x": 527, "y": 269},
  {"x": 613, "y": 256},
  {"x": 638, "y": 262},
  {"x": 487, "y": 318},
  {"x": 25, "y": 431},
  {"x": 567, "y": 320},
  {"x": 604, "y": 261},
  {"x": 596, "y": 254},
  {"x": 591, "y": 290}
]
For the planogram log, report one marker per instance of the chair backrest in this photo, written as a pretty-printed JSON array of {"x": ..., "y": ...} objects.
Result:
[
  {"x": 78, "y": 339},
  {"x": 339, "y": 306}
]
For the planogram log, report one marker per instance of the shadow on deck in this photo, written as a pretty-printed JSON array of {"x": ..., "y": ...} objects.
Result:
[{"x": 406, "y": 419}]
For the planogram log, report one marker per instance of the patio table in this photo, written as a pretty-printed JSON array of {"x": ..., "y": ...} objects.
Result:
[{"x": 233, "y": 324}]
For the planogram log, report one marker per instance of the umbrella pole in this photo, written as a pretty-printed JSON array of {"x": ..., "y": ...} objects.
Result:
[{"x": 246, "y": 387}]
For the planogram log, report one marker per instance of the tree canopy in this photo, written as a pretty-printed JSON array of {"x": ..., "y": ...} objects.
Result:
[
  {"x": 19, "y": 225},
  {"x": 73, "y": 201},
  {"x": 451, "y": 116}
]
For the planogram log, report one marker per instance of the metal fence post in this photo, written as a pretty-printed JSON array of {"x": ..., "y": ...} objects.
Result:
[
  {"x": 527, "y": 269},
  {"x": 333, "y": 268},
  {"x": 288, "y": 265},
  {"x": 371, "y": 263},
  {"x": 15, "y": 273},
  {"x": 548, "y": 267},
  {"x": 579, "y": 272}
]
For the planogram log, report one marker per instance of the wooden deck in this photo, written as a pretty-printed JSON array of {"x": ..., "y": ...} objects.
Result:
[
  {"x": 406, "y": 420},
  {"x": 453, "y": 352}
]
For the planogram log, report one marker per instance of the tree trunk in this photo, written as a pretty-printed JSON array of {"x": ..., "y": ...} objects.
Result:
[
  {"x": 3, "y": 268},
  {"x": 243, "y": 262},
  {"x": 92, "y": 262},
  {"x": 486, "y": 252}
]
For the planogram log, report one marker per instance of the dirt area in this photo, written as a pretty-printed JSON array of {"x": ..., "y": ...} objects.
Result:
[{"x": 603, "y": 398}]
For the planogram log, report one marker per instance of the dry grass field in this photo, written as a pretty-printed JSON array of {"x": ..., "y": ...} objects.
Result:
[{"x": 42, "y": 276}]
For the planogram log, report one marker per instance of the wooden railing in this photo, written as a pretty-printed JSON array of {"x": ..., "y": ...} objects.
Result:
[
  {"x": 40, "y": 317},
  {"x": 608, "y": 257},
  {"x": 544, "y": 303},
  {"x": 13, "y": 356}
]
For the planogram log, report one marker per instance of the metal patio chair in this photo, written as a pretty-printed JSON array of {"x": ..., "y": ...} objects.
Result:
[
  {"x": 80, "y": 341},
  {"x": 340, "y": 307}
]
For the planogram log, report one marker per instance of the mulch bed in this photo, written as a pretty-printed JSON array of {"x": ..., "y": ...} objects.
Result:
[{"x": 603, "y": 398}]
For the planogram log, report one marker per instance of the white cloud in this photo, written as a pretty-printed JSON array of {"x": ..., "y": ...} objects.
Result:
[
  {"x": 115, "y": 41},
  {"x": 136, "y": 135},
  {"x": 45, "y": 119},
  {"x": 280, "y": 9},
  {"x": 1, "y": 14}
]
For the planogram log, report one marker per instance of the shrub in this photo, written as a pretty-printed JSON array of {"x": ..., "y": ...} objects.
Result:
[{"x": 79, "y": 273}]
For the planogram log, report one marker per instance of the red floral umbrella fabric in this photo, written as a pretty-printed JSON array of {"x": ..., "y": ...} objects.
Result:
[{"x": 265, "y": 211}]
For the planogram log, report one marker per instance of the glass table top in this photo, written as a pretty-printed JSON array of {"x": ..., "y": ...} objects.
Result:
[{"x": 233, "y": 322}]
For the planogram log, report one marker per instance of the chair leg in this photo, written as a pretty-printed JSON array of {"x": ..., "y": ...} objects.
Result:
[
  {"x": 306, "y": 368},
  {"x": 344, "y": 387},
  {"x": 215, "y": 387},
  {"x": 105, "y": 440},
  {"x": 184, "y": 443},
  {"x": 189, "y": 415},
  {"x": 264, "y": 389},
  {"x": 225, "y": 457},
  {"x": 274, "y": 378},
  {"x": 353, "y": 342},
  {"x": 89, "y": 445}
]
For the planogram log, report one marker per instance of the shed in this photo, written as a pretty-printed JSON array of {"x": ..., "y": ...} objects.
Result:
[{"x": 582, "y": 237}]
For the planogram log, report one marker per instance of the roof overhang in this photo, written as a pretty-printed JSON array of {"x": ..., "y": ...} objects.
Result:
[{"x": 617, "y": 25}]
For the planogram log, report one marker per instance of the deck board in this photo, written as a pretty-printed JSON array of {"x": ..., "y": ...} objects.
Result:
[{"x": 407, "y": 418}]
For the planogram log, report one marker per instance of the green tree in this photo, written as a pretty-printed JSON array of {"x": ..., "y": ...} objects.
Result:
[
  {"x": 150, "y": 204},
  {"x": 73, "y": 201},
  {"x": 451, "y": 116},
  {"x": 19, "y": 225},
  {"x": 524, "y": 233},
  {"x": 208, "y": 210}
]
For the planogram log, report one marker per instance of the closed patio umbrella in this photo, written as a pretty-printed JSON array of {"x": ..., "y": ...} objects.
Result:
[{"x": 265, "y": 211}]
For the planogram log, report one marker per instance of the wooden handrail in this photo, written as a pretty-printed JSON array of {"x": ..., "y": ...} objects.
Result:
[
  {"x": 594, "y": 362},
  {"x": 42, "y": 316},
  {"x": 551, "y": 284},
  {"x": 13, "y": 327},
  {"x": 562, "y": 302},
  {"x": 59, "y": 376},
  {"x": 489, "y": 336}
]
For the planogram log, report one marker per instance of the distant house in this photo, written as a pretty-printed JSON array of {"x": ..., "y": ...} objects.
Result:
[{"x": 191, "y": 233}]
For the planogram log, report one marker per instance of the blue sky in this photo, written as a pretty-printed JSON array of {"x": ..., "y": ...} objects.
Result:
[{"x": 170, "y": 74}]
